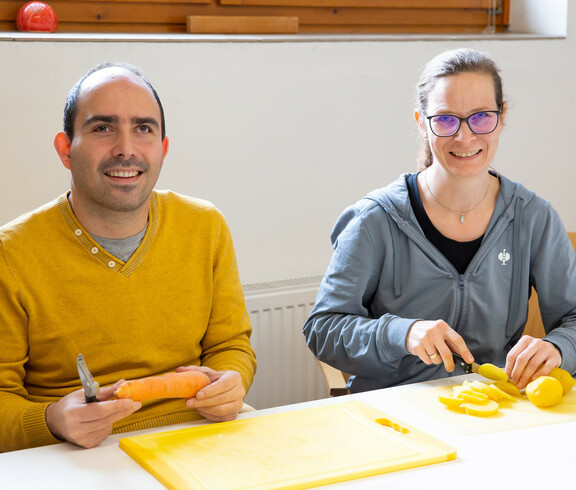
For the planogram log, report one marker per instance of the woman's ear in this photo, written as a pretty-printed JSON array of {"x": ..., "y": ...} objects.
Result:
[
  {"x": 503, "y": 113},
  {"x": 420, "y": 120}
]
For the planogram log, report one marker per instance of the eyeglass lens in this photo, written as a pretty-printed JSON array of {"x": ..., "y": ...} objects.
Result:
[{"x": 480, "y": 123}]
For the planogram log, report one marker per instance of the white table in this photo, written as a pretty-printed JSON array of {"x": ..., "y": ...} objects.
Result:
[{"x": 539, "y": 457}]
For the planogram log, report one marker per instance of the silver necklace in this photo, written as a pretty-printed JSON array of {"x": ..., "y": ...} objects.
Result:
[{"x": 461, "y": 213}]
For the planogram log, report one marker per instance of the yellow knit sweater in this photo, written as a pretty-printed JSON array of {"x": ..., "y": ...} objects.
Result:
[{"x": 176, "y": 302}]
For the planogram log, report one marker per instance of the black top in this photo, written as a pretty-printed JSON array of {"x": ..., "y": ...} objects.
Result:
[{"x": 460, "y": 254}]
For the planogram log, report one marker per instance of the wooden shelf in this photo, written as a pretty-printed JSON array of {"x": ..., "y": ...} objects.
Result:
[{"x": 314, "y": 16}]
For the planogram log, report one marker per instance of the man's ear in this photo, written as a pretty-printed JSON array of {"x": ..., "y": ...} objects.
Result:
[
  {"x": 62, "y": 145},
  {"x": 165, "y": 145}
]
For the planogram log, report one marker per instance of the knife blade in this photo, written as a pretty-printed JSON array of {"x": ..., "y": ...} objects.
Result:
[
  {"x": 91, "y": 387},
  {"x": 487, "y": 370}
]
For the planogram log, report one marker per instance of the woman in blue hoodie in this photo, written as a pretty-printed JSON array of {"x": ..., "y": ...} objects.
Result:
[{"x": 443, "y": 260}]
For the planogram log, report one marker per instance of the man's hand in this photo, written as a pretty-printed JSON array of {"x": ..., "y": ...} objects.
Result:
[
  {"x": 222, "y": 399},
  {"x": 87, "y": 424},
  {"x": 531, "y": 358},
  {"x": 434, "y": 341}
]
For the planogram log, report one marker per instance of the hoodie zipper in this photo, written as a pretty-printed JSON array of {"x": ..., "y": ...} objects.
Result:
[
  {"x": 438, "y": 257},
  {"x": 461, "y": 286}
]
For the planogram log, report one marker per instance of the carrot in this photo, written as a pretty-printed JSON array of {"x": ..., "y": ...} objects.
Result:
[{"x": 184, "y": 384}]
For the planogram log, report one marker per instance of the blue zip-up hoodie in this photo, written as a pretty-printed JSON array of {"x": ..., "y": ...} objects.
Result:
[{"x": 384, "y": 275}]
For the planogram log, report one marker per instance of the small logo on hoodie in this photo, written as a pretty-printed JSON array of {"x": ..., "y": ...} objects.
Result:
[{"x": 504, "y": 257}]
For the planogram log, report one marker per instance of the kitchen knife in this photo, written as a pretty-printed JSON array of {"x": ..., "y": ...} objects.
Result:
[
  {"x": 487, "y": 370},
  {"x": 91, "y": 387}
]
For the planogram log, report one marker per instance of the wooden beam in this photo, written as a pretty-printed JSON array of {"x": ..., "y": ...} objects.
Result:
[
  {"x": 392, "y": 29},
  {"x": 156, "y": 16},
  {"x": 123, "y": 13},
  {"x": 423, "y": 4},
  {"x": 206, "y": 24}
]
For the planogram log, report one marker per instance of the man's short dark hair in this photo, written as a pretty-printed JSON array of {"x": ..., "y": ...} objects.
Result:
[{"x": 71, "y": 107}]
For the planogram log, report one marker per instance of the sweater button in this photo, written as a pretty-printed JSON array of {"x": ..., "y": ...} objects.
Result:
[
  {"x": 78, "y": 232},
  {"x": 94, "y": 250},
  {"x": 111, "y": 264}
]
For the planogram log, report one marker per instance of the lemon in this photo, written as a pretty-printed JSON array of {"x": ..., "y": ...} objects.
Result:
[
  {"x": 484, "y": 410},
  {"x": 565, "y": 379},
  {"x": 544, "y": 391}
]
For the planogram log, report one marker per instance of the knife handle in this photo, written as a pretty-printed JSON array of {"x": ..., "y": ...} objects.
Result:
[{"x": 463, "y": 364}]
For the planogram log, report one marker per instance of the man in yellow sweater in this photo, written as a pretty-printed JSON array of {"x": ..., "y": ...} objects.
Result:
[{"x": 141, "y": 282}]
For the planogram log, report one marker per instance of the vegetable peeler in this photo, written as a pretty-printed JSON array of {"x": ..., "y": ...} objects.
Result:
[{"x": 91, "y": 387}]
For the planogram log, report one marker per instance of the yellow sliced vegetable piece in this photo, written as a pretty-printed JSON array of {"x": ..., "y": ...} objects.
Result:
[
  {"x": 483, "y": 410},
  {"x": 456, "y": 389},
  {"x": 484, "y": 388},
  {"x": 509, "y": 388},
  {"x": 467, "y": 388},
  {"x": 494, "y": 394},
  {"x": 503, "y": 394},
  {"x": 566, "y": 380},
  {"x": 450, "y": 401},
  {"x": 473, "y": 396},
  {"x": 492, "y": 372}
]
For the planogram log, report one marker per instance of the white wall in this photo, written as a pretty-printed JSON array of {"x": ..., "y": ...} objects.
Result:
[
  {"x": 538, "y": 17},
  {"x": 283, "y": 136}
]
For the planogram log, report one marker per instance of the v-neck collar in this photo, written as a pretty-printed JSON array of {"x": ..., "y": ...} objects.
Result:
[{"x": 96, "y": 251}]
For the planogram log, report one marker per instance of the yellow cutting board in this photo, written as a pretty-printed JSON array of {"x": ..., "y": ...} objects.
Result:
[
  {"x": 520, "y": 414},
  {"x": 298, "y": 449}
]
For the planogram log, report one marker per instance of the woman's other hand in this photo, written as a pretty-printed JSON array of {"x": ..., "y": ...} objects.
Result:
[{"x": 530, "y": 358}]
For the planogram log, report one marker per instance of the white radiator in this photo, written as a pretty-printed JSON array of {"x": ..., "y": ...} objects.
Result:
[{"x": 287, "y": 371}]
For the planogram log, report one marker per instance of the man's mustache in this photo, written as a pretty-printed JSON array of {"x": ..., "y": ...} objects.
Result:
[{"x": 132, "y": 163}]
